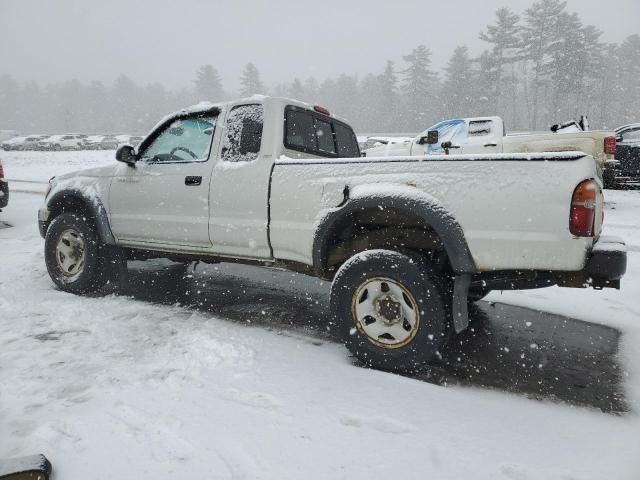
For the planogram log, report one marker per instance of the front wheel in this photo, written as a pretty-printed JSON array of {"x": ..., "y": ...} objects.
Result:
[
  {"x": 75, "y": 260},
  {"x": 392, "y": 310}
]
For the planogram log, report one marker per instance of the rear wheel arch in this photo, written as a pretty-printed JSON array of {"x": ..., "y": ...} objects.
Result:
[{"x": 380, "y": 220}]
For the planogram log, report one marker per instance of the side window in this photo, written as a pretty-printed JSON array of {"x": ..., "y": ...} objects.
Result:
[
  {"x": 480, "y": 128},
  {"x": 184, "y": 140},
  {"x": 317, "y": 134},
  {"x": 324, "y": 134},
  {"x": 347, "y": 141},
  {"x": 300, "y": 130},
  {"x": 243, "y": 135}
]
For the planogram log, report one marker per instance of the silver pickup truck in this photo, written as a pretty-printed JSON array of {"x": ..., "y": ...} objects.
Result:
[{"x": 406, "y": 241}]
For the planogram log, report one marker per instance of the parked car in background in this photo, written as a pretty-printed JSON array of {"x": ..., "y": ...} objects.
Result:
[
  {"x": 109, "y": 142},
  {"x": 488, "y": 135},
  {"x": 8, "y": 134},
  {"x": 29, "y": 142},
  {"x": 13, "y": 143},
  {"x": 69, "y": 141},
  {"x": 135, "y": 140},
  {"x": 628, "y": 154},
  {"x": 92, "y": 142},
  {"x": 4, "y": 189}
]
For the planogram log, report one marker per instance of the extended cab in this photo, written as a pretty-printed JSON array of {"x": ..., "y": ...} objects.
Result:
[
  {"x": 406, "y": 241},
  {"x": 488, "y": 135}
]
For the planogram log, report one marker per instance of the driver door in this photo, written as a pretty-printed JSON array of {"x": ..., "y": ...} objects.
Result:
[{"x": 164, "y": 198}]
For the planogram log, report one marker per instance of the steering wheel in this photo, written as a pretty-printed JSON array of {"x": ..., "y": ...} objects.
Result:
[{"x": 184, "y": 149}]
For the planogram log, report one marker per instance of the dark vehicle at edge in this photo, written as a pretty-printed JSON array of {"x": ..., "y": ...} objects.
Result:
[
  {"x": 628, "y": 154},
  {"x": 4, "y": 189}
]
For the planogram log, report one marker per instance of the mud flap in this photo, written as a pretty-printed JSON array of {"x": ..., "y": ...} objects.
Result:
[
  {"x": 459, "y": 308},
  {"x": 35, "y": 467}
]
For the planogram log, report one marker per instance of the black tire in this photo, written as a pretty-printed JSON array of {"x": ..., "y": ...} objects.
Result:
[
  {"x": 427, "y": 290},
  {"x": 95, "y": 268}
]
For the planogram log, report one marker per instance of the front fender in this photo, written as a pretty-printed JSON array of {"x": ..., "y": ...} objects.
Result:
[{"x": 69, "y": 199}]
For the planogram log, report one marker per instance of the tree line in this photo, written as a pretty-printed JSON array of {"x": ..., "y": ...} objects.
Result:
[{"x": 539, "y": 67}]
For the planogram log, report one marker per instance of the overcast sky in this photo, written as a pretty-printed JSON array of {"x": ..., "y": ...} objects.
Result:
[{"x": 166, "y": 40}]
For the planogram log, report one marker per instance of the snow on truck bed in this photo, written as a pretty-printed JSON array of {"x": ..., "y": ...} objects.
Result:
[{"x": 110, "y": 386}]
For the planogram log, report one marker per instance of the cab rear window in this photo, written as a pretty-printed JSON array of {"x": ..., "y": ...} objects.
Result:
[{"x": 317, "y": 134}]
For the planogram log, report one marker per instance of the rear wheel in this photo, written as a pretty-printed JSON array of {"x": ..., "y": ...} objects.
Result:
[
  {"x": 392, "y": 310},
  {"x": 75, "y": 259}
]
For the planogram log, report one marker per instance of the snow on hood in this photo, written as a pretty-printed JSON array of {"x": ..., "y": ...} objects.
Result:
[{"x": 96, "y": 172}]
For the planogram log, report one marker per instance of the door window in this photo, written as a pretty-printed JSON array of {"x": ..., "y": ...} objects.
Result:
[
  {"x": 243, "y": 135},
  {"x": 183, "y": 140}
]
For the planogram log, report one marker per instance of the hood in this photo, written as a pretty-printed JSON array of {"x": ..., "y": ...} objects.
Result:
[{"x": 98, "y": 172}]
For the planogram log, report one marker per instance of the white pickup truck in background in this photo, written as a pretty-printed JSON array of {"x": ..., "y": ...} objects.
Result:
[
  {"x": 488, "y": 135},
  {"x": 407, "y": 241}
]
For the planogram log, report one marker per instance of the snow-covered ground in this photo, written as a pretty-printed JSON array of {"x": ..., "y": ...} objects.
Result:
[{"x": 112, "y": 386}]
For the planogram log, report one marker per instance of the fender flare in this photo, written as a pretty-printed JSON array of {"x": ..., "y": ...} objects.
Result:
[
  {"x": 397, "y": 197},
  {"x": 93, "y": 204}
]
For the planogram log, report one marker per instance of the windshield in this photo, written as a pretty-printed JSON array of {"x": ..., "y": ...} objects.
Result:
[{"x": 454, "y": 131}]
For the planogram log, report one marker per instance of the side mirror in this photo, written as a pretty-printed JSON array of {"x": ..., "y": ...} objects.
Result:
[
  {"x": 431, "y": 138},
  {"x": 126, "y": 154}
]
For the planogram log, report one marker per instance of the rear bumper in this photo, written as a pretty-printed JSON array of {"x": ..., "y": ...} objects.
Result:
[
  {"x": 606, "y": 264},
  {"x": 4, "y": 193},
  {"x": 608, "y": 260}
]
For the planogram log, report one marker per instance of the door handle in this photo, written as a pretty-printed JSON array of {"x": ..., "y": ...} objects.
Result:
[
  {"x": 490, "y": 144},
  {"x": 192, "y": 181}
]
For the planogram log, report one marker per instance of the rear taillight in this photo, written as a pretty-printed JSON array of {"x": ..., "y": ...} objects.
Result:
[
  {"x": 583, "y": 209},
  {"x": 610, "y": 145}
]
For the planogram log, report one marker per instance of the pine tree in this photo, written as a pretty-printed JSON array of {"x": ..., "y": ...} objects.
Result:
[
  {"x": 574, "y": 69},
  {"x": 629, "y": 55},
  {"x": 388, "y": 114},
  {"x": 457, "y": 90},
  {"x": 250, "y": 81},
  {"x": 419, "y": 89},
  {"x": 296, "y": 90},
  {"x": 504, "y": 38},
  {"x": 311, "y": 89},
  {"x": 541, "y": 32},
  {"x": 208, "y": 86}
]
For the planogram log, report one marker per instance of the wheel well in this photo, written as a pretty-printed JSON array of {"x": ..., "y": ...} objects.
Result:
[
  {"x": 67, "y": 204},
  {"x": 370, "y": 228}
]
